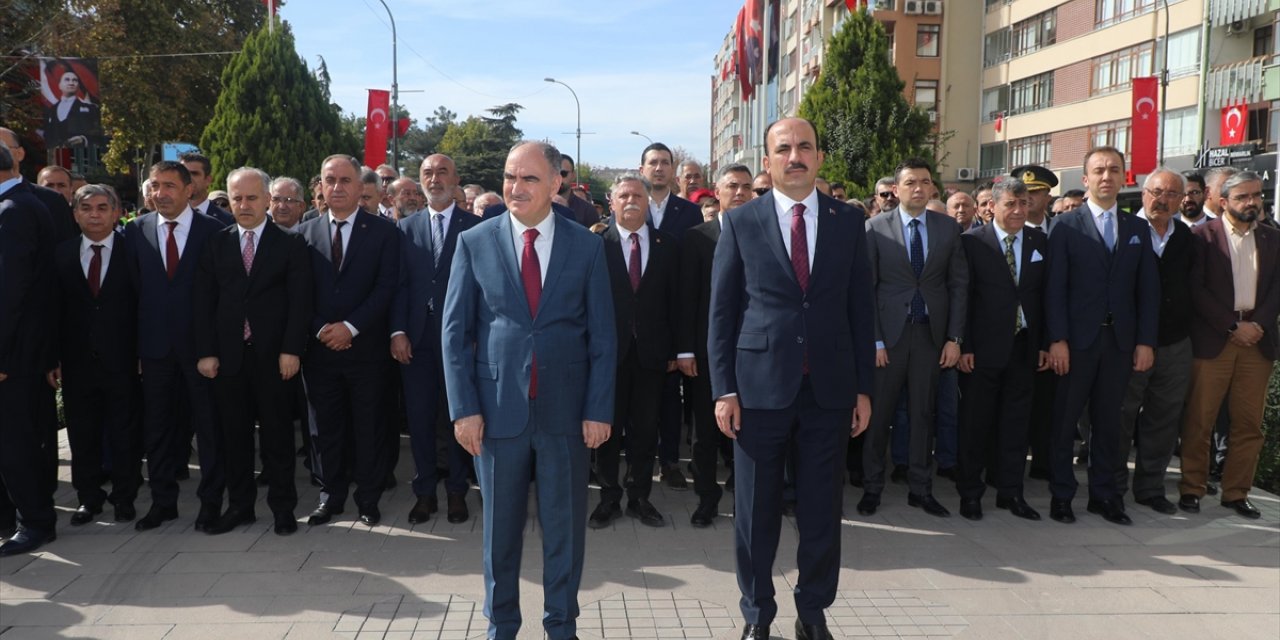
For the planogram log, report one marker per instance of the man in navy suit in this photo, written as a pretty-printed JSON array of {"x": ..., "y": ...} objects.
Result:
[
  {"x": 1103, "y": 305},
  {"x": 427, "y": 244},
  {"x": 529, "y": 353},
  {"x": 355, "y": 264},
  {"x": 166, "y": 245},
  {"x": 201, "y": 168},
  {"x": 790, "y": 369}
]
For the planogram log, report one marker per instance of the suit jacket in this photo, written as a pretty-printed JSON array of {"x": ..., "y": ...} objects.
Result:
[
  {"x": 26, "y": 278},
  {"x": 419, "y": 300},
  {"x": 993, "y": 296},
  {"x": 63, "y": 218},
  {"x": 649, "y": 312},
  {"x": 99, "y": 331},
  {"x": 943, "y": 282},
  {"x": 490, "y": 338},
  {"x": 220, "y": 214},
  {"x": 679, "y": 216},
  {"x": 1213, "y": 293},
  {"x": 1175, "y": 288},
  {"x": 763, "y": 324},
  {"x": 83, "y": 119},
  {"x": 1086, "y": 281},
  {"x": 584, "y": 212},
  {"x": 275, "y": 297},
  {"x": 360, "y": 292},
  {"x": 696, "y": 255},
  {"x": 165, "y": 306}
]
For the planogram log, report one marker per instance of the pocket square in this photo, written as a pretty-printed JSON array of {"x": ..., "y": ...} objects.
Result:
[
  {"x": 1035, "y": 255},
  {"x": 1134, "y": 240}
]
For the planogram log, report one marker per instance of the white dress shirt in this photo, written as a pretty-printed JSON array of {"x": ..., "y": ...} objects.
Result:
[
  {"x": 180, "y": 233},
  {"x": 1206, "y": 216},
  {"x": 625, "y": 246},
  {"x": 782, "y": 208},
  {"x": 657, "y": 210},
  {"x": 346, "y": 241},
  {"x": 86, "y": 255},
  {"x": 541, "y": 244},
  {"x": 201, "y": 207},
  {"x": 1158, "y": 242},
  {"x": 447, "y": 214}
]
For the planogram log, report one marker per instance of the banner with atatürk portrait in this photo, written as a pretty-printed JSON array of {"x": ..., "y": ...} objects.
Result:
[{"x": 69, "y": 92}]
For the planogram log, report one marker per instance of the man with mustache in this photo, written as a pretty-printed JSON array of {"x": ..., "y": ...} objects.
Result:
[{"x": 1235, "y": 296}]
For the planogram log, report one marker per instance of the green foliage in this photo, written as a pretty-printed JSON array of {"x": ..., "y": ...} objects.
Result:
[
  {"x": 598, "y": 185},
  {"x": 1267, "y": 476},
  {"x": 271, "y": 113},
  {"x": 865, "y": 124},
  {"x": 479, "y": 145},
  {"x": 420, "y": 142}
]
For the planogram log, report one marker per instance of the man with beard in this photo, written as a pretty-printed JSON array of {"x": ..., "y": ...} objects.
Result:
[
  {"x": 1191, "y": 210},
  {"x": 584, "y": 212},
  {"x": 406, "y": 198},
  {"x": 886, "y": 197},
  {"x": 1235, "y": 294}
]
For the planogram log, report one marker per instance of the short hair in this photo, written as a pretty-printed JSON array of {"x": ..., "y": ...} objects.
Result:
[
  {"x": 1194, "y": 176},
  {"x": 986, "y": 186},
  {"x": 1102, "y": 149},
  {"x": 393, "y": 191},
  {"x": 1159, "y": 170},
  {"x": 55, "y": 168},
  {"x": 760, "y": 173},
  {"x": 912, "y": 163},
  {"x": 549, "y": 153},
  {"x": 631, "y": 176},
  {"x": 1219, "y": 172},
  {"x": 369, "y": 176},
  {"x": 355, "y": 164},
  {"x": 262, "y": 175},
  {"x": 473, "y": 186},
  {"x": 1009, "y": 185},
  {"x": 94, "y": 190},
  {"x": 736, "y": 167},
  {"x": 817, "y": 140},
  {"x": 886, "y": 181},
  {"x": 656, "y": 146},
  {"x": 165, "y": 166},
  {"x": 689, "y": 161},
  {"x": 196, "y": 156},
  {"x": 1238, "y": 178},
  {"x": 6, "y": 158},
  {"x": 565, "y": 156},
  {"x": 293, "y": 182},
  {"x": 1074, "y": 193},
  {"x": 836, "y": 185},
  {"x": 385, "y": 166}
]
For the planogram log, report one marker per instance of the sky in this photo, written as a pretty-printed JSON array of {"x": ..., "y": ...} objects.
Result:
[{"x": 638, "y": 65}]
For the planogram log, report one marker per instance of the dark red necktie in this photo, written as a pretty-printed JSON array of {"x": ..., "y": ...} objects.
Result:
[
  {"x": 171, "y": 250},
  {"x": 531, "y": 277},
  {"x": 633, "y": 269},
  {"x": 799, "y": 247},
  {"x": 95, "y": 270},
  {"x": 336, "y": 251}
]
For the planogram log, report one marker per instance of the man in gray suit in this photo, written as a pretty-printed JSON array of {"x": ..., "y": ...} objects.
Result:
[{"x": 920, "y": 276}]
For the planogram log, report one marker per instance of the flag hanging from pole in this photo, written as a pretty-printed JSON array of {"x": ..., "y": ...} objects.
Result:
[
  {"x": 1232, "y": 128},
  {"x": 376, "y": 128},
  {"x": 1144, "y": 127}
]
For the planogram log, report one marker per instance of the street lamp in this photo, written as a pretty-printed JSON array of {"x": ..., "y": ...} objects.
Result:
[
  {"x": 395, "y": 96},
  {"x": 578, "y": 158},
  {"x": 637, "y": 133}
]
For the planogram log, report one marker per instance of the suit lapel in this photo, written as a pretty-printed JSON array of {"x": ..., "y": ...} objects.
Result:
[
  {"x": 824, "y": 240},
  {"x": 359, "y": 229},
  {"x": 615, "y": 255},
  {"x": 559, "y": 256},
  {"x": 148, "y": 224},
  {"x": 507, "y": 252},
  {"x": 766, "y": 217},
  {"x": 265, "y": 251}
]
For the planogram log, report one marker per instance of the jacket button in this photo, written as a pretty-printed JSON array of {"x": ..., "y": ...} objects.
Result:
[
  {"x": 799, "y": 339},
  {"x": 805, "y": 305}
]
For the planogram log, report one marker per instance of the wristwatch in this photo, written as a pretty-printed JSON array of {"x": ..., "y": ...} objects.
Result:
[{"x": 956, "y": 339}]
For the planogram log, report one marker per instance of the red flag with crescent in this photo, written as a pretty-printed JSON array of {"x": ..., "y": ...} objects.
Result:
[
  {"x": 1144, "y": 128},
  {"x": 376, "y": 128},
  {"x": 1234, "y": 119}
]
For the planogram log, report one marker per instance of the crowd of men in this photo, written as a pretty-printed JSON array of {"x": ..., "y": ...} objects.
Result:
[{"x": 1015, "y": 322}]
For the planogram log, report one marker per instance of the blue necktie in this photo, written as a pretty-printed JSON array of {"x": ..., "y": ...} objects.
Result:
[
  {"x": 917, "y": 265},
  {"x": 437, "y": 238},
  {"x": 1108, "y": 231}
]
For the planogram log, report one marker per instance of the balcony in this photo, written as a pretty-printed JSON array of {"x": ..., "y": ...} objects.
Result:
[
  {"x": 1224, "y": 12},
  {"x": 1235, "y": 82}
]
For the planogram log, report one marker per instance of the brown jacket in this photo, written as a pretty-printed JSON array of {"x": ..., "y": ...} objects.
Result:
[{"x": 1213, "y": 290}]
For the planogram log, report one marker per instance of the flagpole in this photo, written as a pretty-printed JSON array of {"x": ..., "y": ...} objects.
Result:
[
  {"x": 394, "y": 120},
  {"x": 1164, "y": 79},
  {"x": 271, "y": 16}
]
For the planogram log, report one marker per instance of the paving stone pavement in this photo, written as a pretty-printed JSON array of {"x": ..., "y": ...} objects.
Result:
[{"x": 903, "y": 574}]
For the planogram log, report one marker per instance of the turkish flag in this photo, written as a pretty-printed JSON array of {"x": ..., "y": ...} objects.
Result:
[
  {"x": 376, "y": 128},
  {"x": 1144, "y": 128},
  {"x": 1234, "y": 118},
  {"x": 999, "y": 121},
  {"x": 743, "y": 69}
]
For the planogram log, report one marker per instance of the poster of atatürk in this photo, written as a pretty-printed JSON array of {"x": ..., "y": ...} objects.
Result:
[{"x": 72, "y": 112}]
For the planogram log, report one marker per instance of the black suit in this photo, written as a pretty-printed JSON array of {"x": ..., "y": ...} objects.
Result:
[
  {"x": 60, "y": 213},
  {"x": 679, "y": 215},
  {"x": 274, "y": 298},
  {"x": 218, "y": 213},
  {"x": 347, "y": 389},
  {"x": 996, "y": 396},
  {"x": 26, "y": 278},
  {"x": 645, "y": 319},
  {"x": 696, "y": 254}
]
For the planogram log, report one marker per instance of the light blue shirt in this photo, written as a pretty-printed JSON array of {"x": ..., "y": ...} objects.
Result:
[
  {"x": 1099, "y": 220},
  {"x": 1001, "y": 234},
  {"x": 906, "y": 231},
  {"x": 9, "y": 184}
]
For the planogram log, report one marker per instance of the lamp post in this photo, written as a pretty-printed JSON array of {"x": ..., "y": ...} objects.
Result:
[
  {"x": 577, "y": 158},
  {"x": 637, "y": 133},
  {"x": 1164, "y": 79},
  {"x": 393, "y": 121}
]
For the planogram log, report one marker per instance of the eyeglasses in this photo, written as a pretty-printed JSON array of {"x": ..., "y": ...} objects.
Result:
[
  {"x": 761, "y": 191},
  {"x": 886, "y": 195},
  {"x": 283, "y": 200},
  {"x": 386, "y": 179},
  {"x": 1161, "y": 193},
  {"x": 564, "y": 174},
  {"x": 222, "y": 203},
  {"x": 1195, "y": 193}
]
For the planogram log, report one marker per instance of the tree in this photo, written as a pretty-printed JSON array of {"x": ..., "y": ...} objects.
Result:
[
  {"x": 421, "y": 142},
  {"x": 865, "y": 125},
  {"x": 271, "y": 112},
  {"x": 479, "y": 145}
]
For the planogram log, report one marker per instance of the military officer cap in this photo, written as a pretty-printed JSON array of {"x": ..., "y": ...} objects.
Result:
[{"x": 1035, "y": 177}]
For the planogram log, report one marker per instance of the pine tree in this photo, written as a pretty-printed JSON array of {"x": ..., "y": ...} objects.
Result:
[
  {"x": 271, "y": 113},
  {"x": 865, "y": 125}
]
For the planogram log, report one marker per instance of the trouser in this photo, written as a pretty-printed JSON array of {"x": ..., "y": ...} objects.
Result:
[
  {"x": 1153, "y": 413},
  {"x": 101, "y": 425},
  {"x": 256, "y": 393},
  {"x": 635, "y": 416},
  {"x": 20, "y": 430},
  {"x": 1245, "y": 372},
  {"x": 670, "y": 420},
  {"x": 348, "y": 438},
  {"x": 423, "y": 380},
  {"x": 946, "y": 411},
  {"x": 1098, "y": 377},
  {"x": 166, "y": 384},
  {"x": 996, "y": 400},
  {"x": 707, "y": 436},
  {"x": 915, "y": 353}
]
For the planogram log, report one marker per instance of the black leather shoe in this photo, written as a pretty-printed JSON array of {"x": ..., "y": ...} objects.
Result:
[
  {"x": 645, "y": 512},
  {"x": 899, "y": 474},
  {"x": 755, "y": 632},
  {"x": 604, "y": 513},
  {"x": 1189, "y": 503},
  {"x": 125, "y": 512},
  {"x": 155, "y": 517},
  {"x": 458, "y": 512},
  {"x": 1018, "y": 507},
  {"x": 1159, "y": 504},
  {"x": 230, "y": 520},
  {"x": 285, "y": 524},
  {"x": 929, "y": 503},
  {"x": 947, "y": 472},
  {"x": 1060, "y": 510},
  {"x": 806, "y": 631},
  {"x": 208, "y": 515},
  {"x": 323, "y": 514},
  {"x": 422, "y": 509},
  {"x": 1211, "y": 488},
  {"x": 868, "y": 504},
  {"x": 704, "y": 515},
  {"x": 370, "y": 515},
  {"x": 84, "y": 515},
  {"x": 971, "y": 508},
  {"x": 26, "y": 541},
  {"x": 1111, "y": 510},
  {"x": 1244, "y": 508}
]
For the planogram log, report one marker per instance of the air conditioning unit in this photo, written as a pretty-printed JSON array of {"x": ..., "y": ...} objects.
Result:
[
  {"x": 965, "y": 174},
  {"x": 913, "y": 7},
  {"x": 932, "y": 7},
  {"x": 1238, "y": 27}
]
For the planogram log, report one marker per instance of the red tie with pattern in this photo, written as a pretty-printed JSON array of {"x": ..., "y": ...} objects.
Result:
[
  {"x": 531, "y": 277},
  {"x": 800, "y": 261},
  {"x": 633, "y": 269},
  {"x": 95, "y": 270},
  {"x": 246, "y": 255},
  {"x": 171, "y": 250}
]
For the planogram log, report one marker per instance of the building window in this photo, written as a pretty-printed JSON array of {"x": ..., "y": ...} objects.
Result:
[
  {"x": 1031, "y": 94},
  {"x": 1180, "y": 132},
  {"x": 1110, "y": 134},
  {"x": 994, "y": 102},
  {"x": 927, "y": 94},
  {"x": 1030, "y": 150},
  {"x": 1113, "y": 11},
  {"x": 995, "y": 48},
  {"x": 927, "y": 40},
  {"x": 1258, "y": 124},
  {"x": 1262, "y": 41},
  {"x": 1184, "y": 53},
  {"x": 1034, "y": 33},
  {"x": 991, "y": 160},
  {"x": 1114, "y": 71}
]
